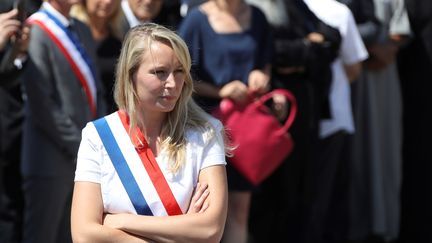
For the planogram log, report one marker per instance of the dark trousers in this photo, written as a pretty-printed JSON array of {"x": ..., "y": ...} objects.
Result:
[
  {"x": 326, "y": 207},
  {"x": 11, "y": 202},
  {"x": 277, "y": 204},
  {"x": 47, "y": 209}
]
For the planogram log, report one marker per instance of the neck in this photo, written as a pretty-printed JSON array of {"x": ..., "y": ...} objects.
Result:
[
  {"x": 232, "y": 6},
  {"x": 151, "y": 125},
  {"x": 62, "y": 6},
  {"x": 99, "y": 28}
]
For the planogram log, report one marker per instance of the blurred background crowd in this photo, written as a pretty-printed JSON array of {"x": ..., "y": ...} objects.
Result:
[{"x": 359, "y": 69}]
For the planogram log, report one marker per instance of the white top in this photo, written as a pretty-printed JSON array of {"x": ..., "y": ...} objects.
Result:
[
  {"x": 94, "y": 165},
  {"x": 352, "y": 51}
]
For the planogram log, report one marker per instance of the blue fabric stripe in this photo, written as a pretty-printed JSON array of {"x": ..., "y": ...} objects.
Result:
[
  {"x": 122, "y": 167},
  {"x": 75, "y": 41}
]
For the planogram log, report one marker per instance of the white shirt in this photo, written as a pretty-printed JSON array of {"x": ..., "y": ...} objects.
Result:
[
  {"x": 352, "y": 51},
  {"x": 94, "y": 165},
  {"x": 130, "y": 16}
]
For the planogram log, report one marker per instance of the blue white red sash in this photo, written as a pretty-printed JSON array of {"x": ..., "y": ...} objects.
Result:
[
  {"x": 73, "y": 51},
  {"x": 136, "y": 167}
]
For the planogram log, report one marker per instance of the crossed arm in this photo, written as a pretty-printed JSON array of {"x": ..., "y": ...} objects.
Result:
[{"x": 89, "y": 224}]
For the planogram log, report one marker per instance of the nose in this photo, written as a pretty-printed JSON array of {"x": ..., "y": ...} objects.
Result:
[{"x": 170, "y": 81}]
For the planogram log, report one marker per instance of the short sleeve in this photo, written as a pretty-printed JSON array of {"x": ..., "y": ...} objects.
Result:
[
  {"x": 353, "y": 49},
  {"x": 214, "y": 150},
  {"x": 89, "y": 156}
]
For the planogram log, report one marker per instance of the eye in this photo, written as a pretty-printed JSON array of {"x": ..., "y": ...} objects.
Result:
[
  {"x": 179, "y": 71},
  {"x": 160, "y": 73}
]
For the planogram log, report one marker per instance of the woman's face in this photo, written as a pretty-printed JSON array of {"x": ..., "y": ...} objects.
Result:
[
  {"x": 101, "y": 8},
  {"x": 159, "y": 79}
]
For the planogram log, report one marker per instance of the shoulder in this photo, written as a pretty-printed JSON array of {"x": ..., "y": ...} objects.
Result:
[
  {"x": 257, "y": 12},
  {"x": 330, "y": 11},
  {"x": 202, "y": 135},
  {"x": 196, "y": 13},
  {"x": 192, "y": 24}
]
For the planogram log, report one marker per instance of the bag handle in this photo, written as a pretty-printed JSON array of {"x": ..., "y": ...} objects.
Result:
[{"x": 291, "y": 99}]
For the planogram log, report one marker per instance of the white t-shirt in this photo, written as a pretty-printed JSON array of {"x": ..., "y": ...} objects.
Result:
[
  {"x": 94, "y": 165},
  {"x": 352, "y": 51}
]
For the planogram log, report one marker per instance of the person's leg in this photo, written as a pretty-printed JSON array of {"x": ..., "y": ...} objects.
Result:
[
  {"x": 45, "y": 206},
  {"x": 236, "y": 228},
  {"x": 320, "y": 184},
  {"x": 11, "y": 202}
]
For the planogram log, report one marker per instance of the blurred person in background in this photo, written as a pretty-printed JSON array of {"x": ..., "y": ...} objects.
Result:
[
  {"x": 139, "y": 11},
  {"x": 376, "y": 149},
  {"x": 63, "y": 93},
  {"x": 103, "y": 17},
  {"x": 415, "y": 70},
  {"x": 231, "y": 49},
  {"x": 304, "y": 49},
  {"x": 14, "y": 38},
  {"x": 327, "y": 209}
]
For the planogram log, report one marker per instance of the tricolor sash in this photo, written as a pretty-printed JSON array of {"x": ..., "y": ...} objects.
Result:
[
  {"x": 72, "y": 49},
  {"x": 136, "y": 167}
]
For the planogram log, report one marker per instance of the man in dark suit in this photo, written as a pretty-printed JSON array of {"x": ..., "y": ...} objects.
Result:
[
  {"x": 14, "y": 39},
  {"x": 415, "y": 69},
  {"x": 63, "y": 94}
]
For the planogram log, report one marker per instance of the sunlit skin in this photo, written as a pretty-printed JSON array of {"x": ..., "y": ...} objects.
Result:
[
  {"x": 159, "y": 79},
  {"x": 102, "y": 9},
  {"x": 63, "y": 6},
  {"x": 145, "y": 10}
]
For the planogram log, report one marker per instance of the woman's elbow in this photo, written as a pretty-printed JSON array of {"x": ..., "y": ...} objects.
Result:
[
  {"x": 84, "y": 234},
  {"x": 214, "y": 234},
  {"x": 80, "y": 238}
]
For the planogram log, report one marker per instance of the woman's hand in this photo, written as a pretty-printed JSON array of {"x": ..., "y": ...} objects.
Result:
[
  {"x": 280, "y": 106},
  {"x": 258, "y": 81},
  {"x": 199, "y": 202},
  {"x": 235, "y": 90}
]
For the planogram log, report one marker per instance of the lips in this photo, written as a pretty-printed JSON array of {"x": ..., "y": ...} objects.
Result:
[{"x": 168, "y": 97}]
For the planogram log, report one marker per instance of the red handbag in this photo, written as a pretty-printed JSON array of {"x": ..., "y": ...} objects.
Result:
[{"x": 261, "y": 142}]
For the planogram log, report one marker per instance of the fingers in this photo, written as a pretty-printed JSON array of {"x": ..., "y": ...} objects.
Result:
[
  {"x": 235, "y": 90},
  {"x": 204, "y": 207},
  {"x": 8, "y": 15},
  {"x": 199, "y": 198},
  {"x": 199, "y": 204}
]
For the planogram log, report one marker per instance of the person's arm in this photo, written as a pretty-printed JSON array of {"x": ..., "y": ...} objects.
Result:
[
  {"x": 259, "y": 80},
  {"x": 353, "y": 71},
  {"x": 87, "y": 217},
  {"x": 87, "y": 204},
  {"x": 201, "y": 227}
]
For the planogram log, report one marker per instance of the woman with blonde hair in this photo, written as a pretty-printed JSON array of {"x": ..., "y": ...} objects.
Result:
[
  {"x": 104, "y": 20},
  {"x": 137, "y": 168}
]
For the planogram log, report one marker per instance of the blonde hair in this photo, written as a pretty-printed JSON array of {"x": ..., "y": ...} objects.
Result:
[
  {"x": 79, "y": 11},
  {"x": 186, "y": 113}
]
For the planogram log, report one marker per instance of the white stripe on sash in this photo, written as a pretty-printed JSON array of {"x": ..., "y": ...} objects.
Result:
[
  {"x": 71, "y": 49},
  {"x": 133, "y": 160}
]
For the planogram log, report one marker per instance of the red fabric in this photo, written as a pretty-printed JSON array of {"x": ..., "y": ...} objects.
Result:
[
  {"x": 261, "y": 142},
  {"x": 153, "y": 170},
  {"x": 74, "y": 66}
]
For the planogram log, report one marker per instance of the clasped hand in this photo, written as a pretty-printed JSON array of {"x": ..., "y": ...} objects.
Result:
[{"x": 199, "y": 204}]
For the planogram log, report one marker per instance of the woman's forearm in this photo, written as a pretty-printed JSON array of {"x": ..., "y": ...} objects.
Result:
[
  {"x": 199, "y": 227},
  {"x": 102, "y": 234},
  {"x": 181, "y": 228}
]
